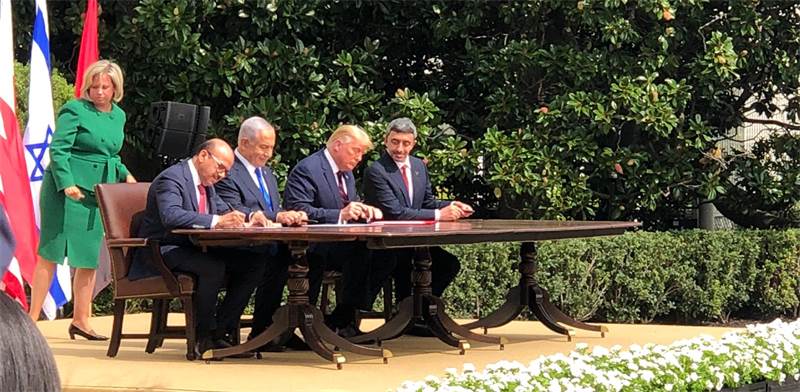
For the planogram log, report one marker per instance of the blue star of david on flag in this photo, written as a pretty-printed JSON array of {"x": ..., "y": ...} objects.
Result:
[{"x": 37, "y": 151}]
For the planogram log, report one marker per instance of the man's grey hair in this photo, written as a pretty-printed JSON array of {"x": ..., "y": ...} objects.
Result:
[
  {"x": 251, "y": 126},
  {"x": 402, "y": 125}
]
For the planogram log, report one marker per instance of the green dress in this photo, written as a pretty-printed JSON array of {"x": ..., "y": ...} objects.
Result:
[{"x": 84, "y": 152}]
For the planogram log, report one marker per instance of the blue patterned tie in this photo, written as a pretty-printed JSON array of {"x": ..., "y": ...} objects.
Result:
[{"x": 264, "y": 191}]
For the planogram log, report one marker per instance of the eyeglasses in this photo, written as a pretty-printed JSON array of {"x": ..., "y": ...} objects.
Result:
[{"x": 220, "y": 165}]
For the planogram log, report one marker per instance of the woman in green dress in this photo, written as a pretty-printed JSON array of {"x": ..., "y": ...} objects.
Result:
[{"x": 84, "y": 152}]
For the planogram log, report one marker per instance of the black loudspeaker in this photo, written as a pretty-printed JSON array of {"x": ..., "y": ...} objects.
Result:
[
  {"x": 203, "y": 116},
  {"x": 177, "y": 128}
]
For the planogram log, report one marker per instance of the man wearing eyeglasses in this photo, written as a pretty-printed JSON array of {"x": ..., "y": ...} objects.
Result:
[
  {"x": 252, "y": 188},
  {"x": 183, "y": 196}
]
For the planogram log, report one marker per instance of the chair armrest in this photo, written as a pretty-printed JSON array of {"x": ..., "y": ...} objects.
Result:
[
  {"x": 158, "y": 262},
  {"x": 127, "y": 242}
]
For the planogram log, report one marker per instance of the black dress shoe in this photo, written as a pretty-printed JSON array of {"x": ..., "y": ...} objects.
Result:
[
  {"x": 91, "y": 335},
  {"x": 271, "y": 347},
  {"x": 349, "y": 331},
  {"x": 203, "y": 345},
  {"x": 420, "y": 329},
  {"x": 223, "y": 343}
]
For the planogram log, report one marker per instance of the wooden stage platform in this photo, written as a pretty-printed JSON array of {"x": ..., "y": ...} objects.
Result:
[{"x": 83, "y": 365}]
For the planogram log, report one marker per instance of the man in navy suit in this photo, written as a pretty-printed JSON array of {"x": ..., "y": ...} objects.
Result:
[
  {"x": 398, "y": 184},
  {"x": 251, "y": 187},
  {"x": 322, "y": 185},
  {"x": 183, "y": 196}
]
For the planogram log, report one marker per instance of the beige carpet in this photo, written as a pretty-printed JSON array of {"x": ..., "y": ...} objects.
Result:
[{"x": 83, "y": 365}]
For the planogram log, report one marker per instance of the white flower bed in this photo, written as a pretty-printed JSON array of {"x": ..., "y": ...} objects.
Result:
[{"x": 762, "y": 352}]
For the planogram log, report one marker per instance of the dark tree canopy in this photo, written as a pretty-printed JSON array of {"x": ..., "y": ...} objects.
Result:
[{"x": 546, "y": 109}]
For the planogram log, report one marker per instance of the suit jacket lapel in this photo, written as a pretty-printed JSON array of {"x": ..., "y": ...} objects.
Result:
[
  {"x": 327, "y": 172},
  {"x": 192, "y": 191},
  {"x": 418, "y": 181},
  {"x": 211, "y": 193},
  {"x": 350, "y": 182},
  {"x": 272, "y": 186},
  {"x": 241, "y": 176},
  {"x": 396, "y": 178}
]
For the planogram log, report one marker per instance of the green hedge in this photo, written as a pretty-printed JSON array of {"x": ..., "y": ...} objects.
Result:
[{"x": 684, "y": 276}]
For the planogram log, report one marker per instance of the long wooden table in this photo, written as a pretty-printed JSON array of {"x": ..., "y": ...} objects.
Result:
[{"x": 422, "y": 306}]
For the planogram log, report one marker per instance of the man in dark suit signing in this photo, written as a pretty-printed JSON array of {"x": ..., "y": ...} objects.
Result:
[
  {"x": 183, "y": 196},
  {"x": 398, "y": 184},
  {"x": 322, "y": 185},
  {"x": 251, "y": 187}
]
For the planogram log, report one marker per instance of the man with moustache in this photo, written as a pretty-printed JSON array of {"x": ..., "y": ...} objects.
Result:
[
  {"x": 183, "y": 196},
  {"x": 398, "y": 183}
]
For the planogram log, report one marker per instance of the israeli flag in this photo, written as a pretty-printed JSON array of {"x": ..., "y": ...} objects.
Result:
[{"x": 38, "y": 134}]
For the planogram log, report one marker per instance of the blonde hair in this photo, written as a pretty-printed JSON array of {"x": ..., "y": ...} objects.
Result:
[
  {"x": 103, "y": 67},
  {"x": 348, "y": 133}
]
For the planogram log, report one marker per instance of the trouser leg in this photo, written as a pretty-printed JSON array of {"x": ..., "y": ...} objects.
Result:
[
  {"x": 209, "y": 272},
  {"x": 244, "y": 270},
  {"x": 317, "y": 265},
  {"x": 381, "y": 267},
  {"x": 270, "y": 290},
  {"x": 444, "y": 269},
  {"x": 402, "y": 273}
]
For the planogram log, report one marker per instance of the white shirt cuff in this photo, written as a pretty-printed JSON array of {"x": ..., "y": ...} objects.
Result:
[{"x": 214, "y": 221}]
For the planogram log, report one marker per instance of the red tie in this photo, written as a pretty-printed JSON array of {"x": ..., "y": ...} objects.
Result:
[
  {"x": 201, "y": 191},
  {"x": 405, "y": 179},
  {"x": 342, "y": 192}
]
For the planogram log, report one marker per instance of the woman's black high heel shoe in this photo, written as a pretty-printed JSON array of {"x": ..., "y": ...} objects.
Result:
[{"x": 73, "y": 330}]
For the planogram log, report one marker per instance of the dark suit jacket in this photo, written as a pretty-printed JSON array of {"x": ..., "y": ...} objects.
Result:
[
  {"x": 243, "y": 194},
  {"x": 172, "y": 204},
  {"x": 311, "y": 187},
  {"x": 384, "y": 188}
]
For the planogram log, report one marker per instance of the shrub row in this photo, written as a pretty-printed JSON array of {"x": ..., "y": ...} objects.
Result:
[
  {"x": 684, "y": 276},
  {"x": 689, "y": 276}
]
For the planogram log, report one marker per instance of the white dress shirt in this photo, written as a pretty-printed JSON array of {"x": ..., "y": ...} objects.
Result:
[
  {"x": 410, "y": 178},
  {"x": 196, "y": 181}
]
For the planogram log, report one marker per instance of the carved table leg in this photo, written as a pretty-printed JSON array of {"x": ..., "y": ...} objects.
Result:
[
  {"x": 505, "y": 314},
  {"x": 330, "y": 337},
  {"x": 452, "y": 327},
  {"x": 393, "y": 328},
  {"x": 280, "y": 323},
  {"x": 528, "y": 293},
  {"x": 411, "y": 308},
  {"x": 426, "y": 308},
  {"x": 298, "y": 313}
]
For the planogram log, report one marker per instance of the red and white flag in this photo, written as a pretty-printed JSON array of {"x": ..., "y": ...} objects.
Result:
[
  {"x": 15, "y": 192},
  {"x": 89, "y": 52}
]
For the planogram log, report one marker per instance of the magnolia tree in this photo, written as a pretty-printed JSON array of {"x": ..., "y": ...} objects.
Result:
[{"x": 546, "y": 109}]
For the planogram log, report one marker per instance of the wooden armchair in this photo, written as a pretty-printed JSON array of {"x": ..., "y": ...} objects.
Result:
[{"x": 122, "y": 209}]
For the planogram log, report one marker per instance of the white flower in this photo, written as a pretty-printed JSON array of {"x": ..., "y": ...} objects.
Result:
[{"x": 767, "y": 351}]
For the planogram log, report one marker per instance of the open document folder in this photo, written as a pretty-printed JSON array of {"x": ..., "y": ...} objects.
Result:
[{"x": 381, "y": 223}]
